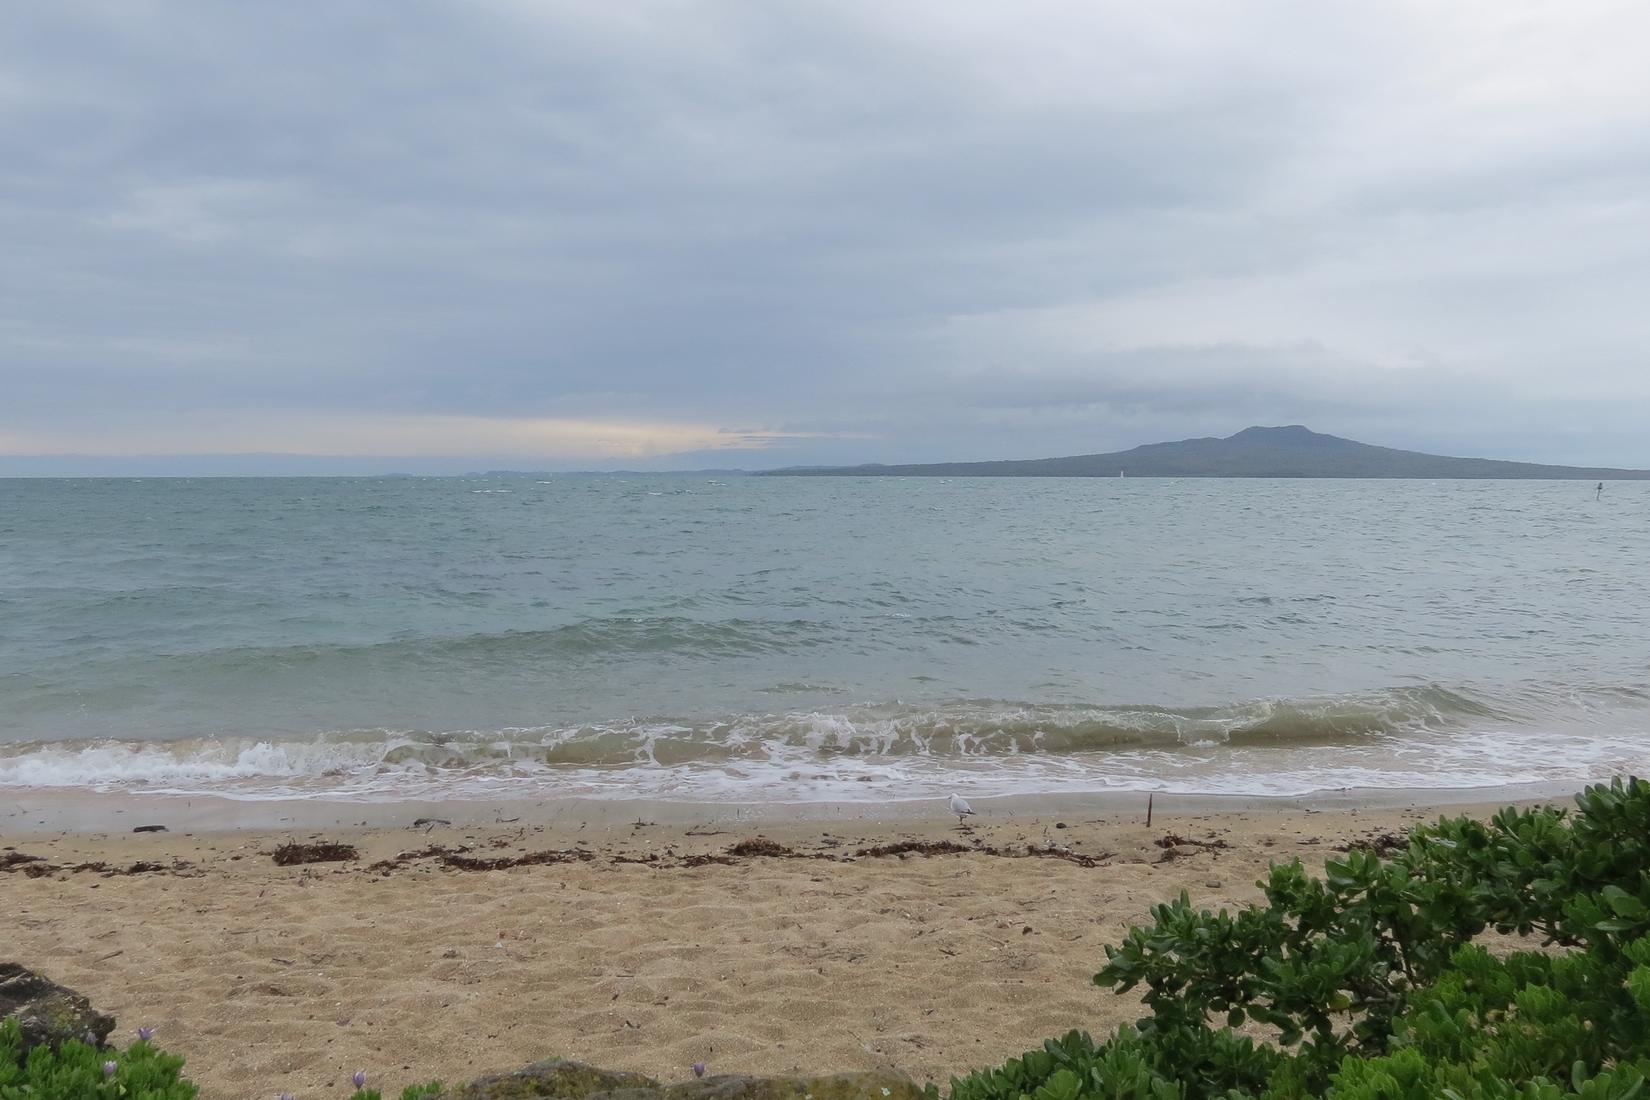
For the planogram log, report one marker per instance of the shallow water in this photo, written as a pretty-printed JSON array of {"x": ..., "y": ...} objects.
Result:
[{"x": 796, "y": 639}]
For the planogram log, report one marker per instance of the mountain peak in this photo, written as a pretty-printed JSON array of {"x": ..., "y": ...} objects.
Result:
[{"x": 1288, "y": 432}]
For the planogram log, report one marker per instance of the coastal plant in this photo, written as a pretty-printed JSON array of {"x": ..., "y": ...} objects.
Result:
[
  {"x": 1498, "y": 960},
  {"x": 79, "y": 1071}
]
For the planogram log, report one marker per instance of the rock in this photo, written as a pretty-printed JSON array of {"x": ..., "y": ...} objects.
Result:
[
  {"x": 874, "y": 1085},
  {"x": 558, "y": 1079},
  {"x": 554, "y": 1077},
  {"x": 48, "y": 1013}
]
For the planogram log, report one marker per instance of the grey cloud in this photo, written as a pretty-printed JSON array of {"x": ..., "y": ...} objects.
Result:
[{"x": 829, "y": 218}]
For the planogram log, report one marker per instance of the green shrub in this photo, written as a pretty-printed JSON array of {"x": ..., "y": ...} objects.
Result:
[
  {"x": 1368, "y": 982},
  {"x": 79, "y": 1071}
]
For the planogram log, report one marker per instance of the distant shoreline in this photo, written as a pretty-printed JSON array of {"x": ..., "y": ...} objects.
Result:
[
  {"x": 899, "y": 472},
  {"x": 1285, "y": 452}
]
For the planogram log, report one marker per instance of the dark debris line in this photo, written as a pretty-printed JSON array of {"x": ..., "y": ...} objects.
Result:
[
  {"x": 458, "y": 858},
  {"x": 755, "y": 848},
  {"x": 39, "y": 867}
]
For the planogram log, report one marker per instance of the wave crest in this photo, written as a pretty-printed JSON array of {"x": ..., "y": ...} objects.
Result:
[{"x": 965, "y": 738}]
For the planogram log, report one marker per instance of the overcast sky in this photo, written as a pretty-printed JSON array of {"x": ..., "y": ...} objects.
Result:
[{"x": 447, "y": 236}]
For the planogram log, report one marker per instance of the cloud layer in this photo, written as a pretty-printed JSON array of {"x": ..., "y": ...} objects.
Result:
[{"x": 648, "y": 233}]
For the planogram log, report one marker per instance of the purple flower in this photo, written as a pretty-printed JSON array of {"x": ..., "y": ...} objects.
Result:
[
  {"x": 109, "y": 1068},
  {"x": 359, "y": 1077},
  {"x": 146, "y": 1033},
  {"x": 698, "y": 1069},
  {"x": 284, "y": 1096}
]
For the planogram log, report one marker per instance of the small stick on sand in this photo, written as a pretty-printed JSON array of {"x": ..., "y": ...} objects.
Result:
[{"x": 1149, "y": 808}]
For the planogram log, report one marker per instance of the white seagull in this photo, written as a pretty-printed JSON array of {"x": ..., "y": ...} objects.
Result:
[{"x": 961, "y": 808}]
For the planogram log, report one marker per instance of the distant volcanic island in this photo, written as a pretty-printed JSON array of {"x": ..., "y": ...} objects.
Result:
[{"x": 1292, "y": 451}]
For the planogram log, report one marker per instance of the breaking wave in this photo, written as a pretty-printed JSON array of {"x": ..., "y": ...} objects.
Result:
[{"x": 1424, "y": 737}]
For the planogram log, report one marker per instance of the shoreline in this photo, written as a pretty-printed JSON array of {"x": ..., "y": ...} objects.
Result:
[
  {"x": 639, "y": 940},
  {"x": 66, "y": 811}
]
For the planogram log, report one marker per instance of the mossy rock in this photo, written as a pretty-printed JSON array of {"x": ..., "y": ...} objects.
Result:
[
  {"x": 557, "y": 1079},
  {"x": 873, "y": 1085},
  {"x": 554, "y": 1078},
  {"x": 48, "y": 1014}
]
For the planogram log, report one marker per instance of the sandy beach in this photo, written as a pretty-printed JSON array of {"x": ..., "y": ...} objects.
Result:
[{"x": 450, "y": 951}]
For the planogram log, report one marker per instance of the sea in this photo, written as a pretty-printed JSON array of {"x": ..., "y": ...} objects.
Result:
[{"x": 731, "y": 639}]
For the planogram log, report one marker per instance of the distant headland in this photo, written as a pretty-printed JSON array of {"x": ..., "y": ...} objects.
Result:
[{"x": 1292, "y": 451}]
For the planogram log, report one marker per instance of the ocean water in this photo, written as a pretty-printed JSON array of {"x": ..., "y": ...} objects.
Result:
[{"x": 772, "y": 639}]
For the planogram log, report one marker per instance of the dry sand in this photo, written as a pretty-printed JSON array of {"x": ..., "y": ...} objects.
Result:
[{"x": 271, "y": 978}]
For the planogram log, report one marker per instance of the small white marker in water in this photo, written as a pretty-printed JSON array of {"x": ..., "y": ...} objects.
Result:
[{"x": 961, "y": 808}]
